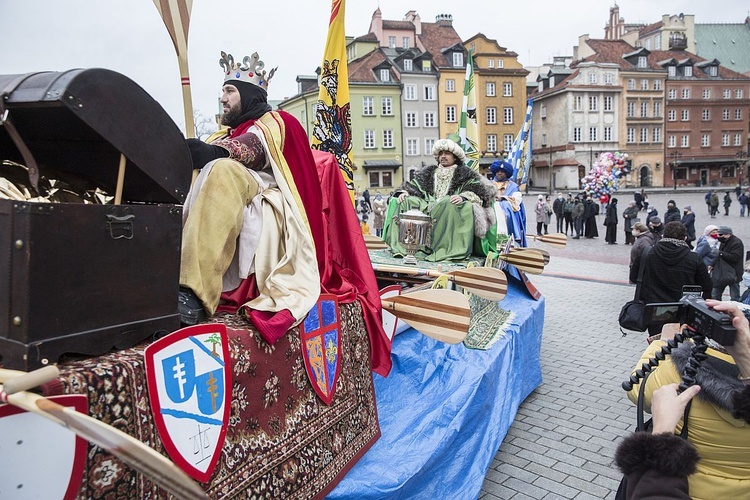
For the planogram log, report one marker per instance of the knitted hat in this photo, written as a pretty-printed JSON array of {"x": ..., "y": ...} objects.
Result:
[
  {"x": 450, "y": 146},
  {"x": 499, "y": 165},
  {"x": 725, "y": 230},
  {"x": 688, "y": 208},
  {"x": 655, "y": 221}
]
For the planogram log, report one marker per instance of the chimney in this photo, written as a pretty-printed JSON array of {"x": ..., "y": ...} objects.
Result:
[{"x": 444, "y": 20}]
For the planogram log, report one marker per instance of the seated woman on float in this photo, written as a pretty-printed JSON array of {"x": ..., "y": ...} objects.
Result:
[{"x": 457, "y": 199}]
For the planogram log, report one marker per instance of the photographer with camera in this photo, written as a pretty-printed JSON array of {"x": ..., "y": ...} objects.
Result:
[
  {"x": 668, "y": 266},
  {"x": 719, "y": 417}
]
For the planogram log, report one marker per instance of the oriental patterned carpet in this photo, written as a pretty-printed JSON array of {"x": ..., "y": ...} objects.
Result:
[{"x": 282, "y": 441}]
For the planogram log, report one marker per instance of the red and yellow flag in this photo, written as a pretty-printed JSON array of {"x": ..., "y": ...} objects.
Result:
[{"x": 332, "y": 125}]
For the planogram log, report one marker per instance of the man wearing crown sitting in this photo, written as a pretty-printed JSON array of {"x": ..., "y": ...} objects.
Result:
[{"x": 245, "y": 216}]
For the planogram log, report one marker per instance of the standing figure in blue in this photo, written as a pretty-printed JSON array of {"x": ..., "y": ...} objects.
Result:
[{"x": 509, "y": 210}]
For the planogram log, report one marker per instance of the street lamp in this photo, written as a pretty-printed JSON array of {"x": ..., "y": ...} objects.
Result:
[
  {"x": 742, "y": 156},
  {"x": 675, "y": 155}
]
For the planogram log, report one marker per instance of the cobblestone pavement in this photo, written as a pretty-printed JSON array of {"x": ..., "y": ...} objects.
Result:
[{"x": 562, "y": 441}]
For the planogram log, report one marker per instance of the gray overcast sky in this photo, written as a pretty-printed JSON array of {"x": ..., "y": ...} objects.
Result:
[{"x": 128, "y": 35}]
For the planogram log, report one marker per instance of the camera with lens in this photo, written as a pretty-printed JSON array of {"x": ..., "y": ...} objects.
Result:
[{"x": 693, "y": 312}]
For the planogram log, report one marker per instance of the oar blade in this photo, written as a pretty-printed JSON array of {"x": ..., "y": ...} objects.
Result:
[
  {"x": 557, "y": 240},
  {"x": 486, "y": 282},
  {"x": 443, "y": 315},
  {"x": 542, "y": 251},
  {"x": 529, "y": 261},
  {"x": 374, "y": 243}
]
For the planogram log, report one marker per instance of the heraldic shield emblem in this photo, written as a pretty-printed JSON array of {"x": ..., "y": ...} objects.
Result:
[
  {"x": 321, "y": 346},
  {"x": 189, "y": 384}
]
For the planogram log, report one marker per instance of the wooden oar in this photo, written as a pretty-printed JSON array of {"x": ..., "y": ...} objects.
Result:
[
  {"x": 525, "y": 259},
  {"x": 374, "y": 243},
  {"x": 176, "y": 17},
  {"x": 443, "y": 315},
  {"x": 542, "y": 251},
  {"x": 17, "y": 381},
  {"x": 128, "y": 449},
  {"x": 486, "y": 282},
  {"x": 557, "y": 240}
]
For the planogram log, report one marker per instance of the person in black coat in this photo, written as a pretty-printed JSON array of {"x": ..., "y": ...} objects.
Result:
[
  {"x": 610, "y": 220},
  {"x": 673, "y": 213},
  {"x": 557, "y": 209},
  {"x": 590, "y": 212},
  {"x": 669, "y": 265},
  {"x": 688, "y": 219},
  {"x": 638, "y": 198},
  {"x": 731, "y": 251}
]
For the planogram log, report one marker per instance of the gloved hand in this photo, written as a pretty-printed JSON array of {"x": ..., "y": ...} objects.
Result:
[{"x": 202, "y": 153}]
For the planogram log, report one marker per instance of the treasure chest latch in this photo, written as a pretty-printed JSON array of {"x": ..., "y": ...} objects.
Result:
[{"x": 120, "y": 227}]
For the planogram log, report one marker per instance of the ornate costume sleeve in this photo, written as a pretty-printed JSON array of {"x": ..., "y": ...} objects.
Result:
[
  {"x": 471, "y": 197},
  {"x": 246, "y": 149}
]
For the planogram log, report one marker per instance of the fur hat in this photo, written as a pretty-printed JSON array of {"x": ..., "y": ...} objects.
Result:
[
  {"x": 499, "y": 165},
  {"x": 451, "y": 147}
]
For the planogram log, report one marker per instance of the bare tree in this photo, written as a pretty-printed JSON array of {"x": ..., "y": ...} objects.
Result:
[{"x": 204, "y": 126}]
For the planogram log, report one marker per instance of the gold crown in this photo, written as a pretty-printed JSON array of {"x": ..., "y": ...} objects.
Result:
[{"x": 250, "y": 70}]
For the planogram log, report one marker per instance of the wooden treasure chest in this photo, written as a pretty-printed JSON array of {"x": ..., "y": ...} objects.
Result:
[{"x": 79, "y": 277}]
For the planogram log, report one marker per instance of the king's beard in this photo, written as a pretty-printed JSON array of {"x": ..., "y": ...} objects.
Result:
[{"x": 231, "y": 115}]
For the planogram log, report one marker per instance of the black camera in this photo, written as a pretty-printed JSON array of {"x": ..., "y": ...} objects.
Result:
[{"x": 693, "y": 312}]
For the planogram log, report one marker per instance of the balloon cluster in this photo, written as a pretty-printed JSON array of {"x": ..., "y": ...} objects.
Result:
[{"x": 604, "y": 177}]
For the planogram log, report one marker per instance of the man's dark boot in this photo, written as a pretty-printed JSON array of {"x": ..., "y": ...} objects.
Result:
[{"x": 190, "y": 307}]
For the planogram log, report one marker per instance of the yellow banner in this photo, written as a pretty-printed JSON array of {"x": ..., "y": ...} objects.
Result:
[{"x": 332, "y": 128}]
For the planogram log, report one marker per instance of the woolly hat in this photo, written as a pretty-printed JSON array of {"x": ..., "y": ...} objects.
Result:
[
  {"x": 655, "y": 221},
  {"x": 688, "y": 208},
  {"x": 499, "y": 165},
  {"x": 450, "y": 146},
  {"x": 725, "y": 230}
]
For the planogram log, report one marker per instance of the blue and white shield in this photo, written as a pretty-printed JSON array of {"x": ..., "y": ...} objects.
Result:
[{"x": 189, "y": 383}]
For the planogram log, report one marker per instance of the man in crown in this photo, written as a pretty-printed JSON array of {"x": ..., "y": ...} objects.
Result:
[
  {"x": 458, "y": 200},
  {"x": 255, "y": 236}
]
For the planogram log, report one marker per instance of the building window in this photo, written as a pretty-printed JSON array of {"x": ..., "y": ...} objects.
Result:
[
  {"x": 707, "y": 93},
  {"x": 490, "y": 89},
  {"x": 578, "y": 103},
  {"x": 727, "y": 94},
  {"x": 672, "y": 141},
  {"x": 385, "y": 75},
  {"x": 713, "y": 71},
  {"x": 657, "y": 109},
  {"x": 450, "y": 114},
  {"x": 491, "y": 115},
  {"x": 492, "y": 142},
  {"x": 458, "y": 59},
  {"x": 644, "y": 109},
  {"x": 738, "y": 114},
  {"x": 686, "y": 93},
  {"x": 685, "y": 115},
  {"x": 405, "y": 42},
  {"x": 657, "y": 84},
  {"x": 672, "y": 71},
  {"x": 428, "y": 144},
  {"x": 507, "y": 89},
  {"x": 380, "y": 179},
  {"x": 429, "y": 92},
  {"x": 672, "y": 94},
  {"x": 411, "y": 119},
  {"x": 500, "y": 63},
  {"x": 725, "y": 139},
  {"x": 408, "y": 64},
  {"x": 657, "y": 42},
  {"x": 491, "y": 63},
  {"x": 543, "y": 111},
  {"x": 429, "y": 119},
  {"x": 727, "y": 171},
  {"x": 672, "y": 115},
  {"x": 576, "y": 134},
  {"x": 410, "y": 92},
  {"x": 685, "y": 141},
  {"x": 507, "y": 116},
  {"x": 508, "y": 142},
  {"x": 412, "y": 147},
  {"x": 631, "y": 109},
  {"x": 642, "y": 63},
  {"x": 688, "y": 71},
  {"x": 368, "y": 106},
  {"x": 593, "y": 134},
  {"x": 369, "y": 139},
  {"x": 657, "y": 134},
  {"x": 738, "y": 94},
  {"x": 725, "y": 114},
  {"x": 631, "y": 84},
  {"x": 593, "y": 103},
  {"x": 592, "y": 78},
  {"x": 644, "y": 134},
  {"x": 392, "y": 42},
  {"x": 450, "y": 85},
  {"x": 644, "y": 84},
  {"x": 608, "y": 100},
  {"x": 386, "y": 106},
  {"x": 387, "y": 138},
  {"x": 607, "y": 134},
  {"x": 738, "y": 139},
  {"x": 631, "y": 135},
  {"x": 705, "y": 140},
  {"x": 608, "y": 78},
  {"x": 706, "y": 115},
  {"x": 426, "y": 66}
]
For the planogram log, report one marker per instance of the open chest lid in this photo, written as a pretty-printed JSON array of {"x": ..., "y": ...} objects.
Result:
[{"x": 79, "y": 121}]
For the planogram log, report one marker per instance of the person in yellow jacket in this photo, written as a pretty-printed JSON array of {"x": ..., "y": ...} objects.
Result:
[{"x": 717, "y": 426}]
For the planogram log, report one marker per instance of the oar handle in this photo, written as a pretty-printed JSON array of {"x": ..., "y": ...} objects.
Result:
[{"x": 30, "y": 380}]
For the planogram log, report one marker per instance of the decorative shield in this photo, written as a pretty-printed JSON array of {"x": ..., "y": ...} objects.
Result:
[
  {"x": 321, "y": 346},
  {"x": 190, "y": 385},
  {"x": 39, "y": 458}
]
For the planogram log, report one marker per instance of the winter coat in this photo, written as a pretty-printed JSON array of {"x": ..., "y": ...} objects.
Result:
[
  {"x": 707, "y": 249},
  {"x": 727, "y": 200},
  {"x": 610, "y": 219},
  {"x": 629, "y": 214},
  {"x": 714, "y": 200},
  {"x": 642, "y": 241},
  {"x": 540, "y": 210},
  {"x": 717, "y": 423},
  {"x": 557, "y": 206},
  {"x": 732, "y": 251},
  {"x": 668, "y": 267},
  {"x": 578, "y": 210},
  {"x": 672, "y": 215},
  {"x": 689, "y": 222},
  {"x": 650, "y": 215}
]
